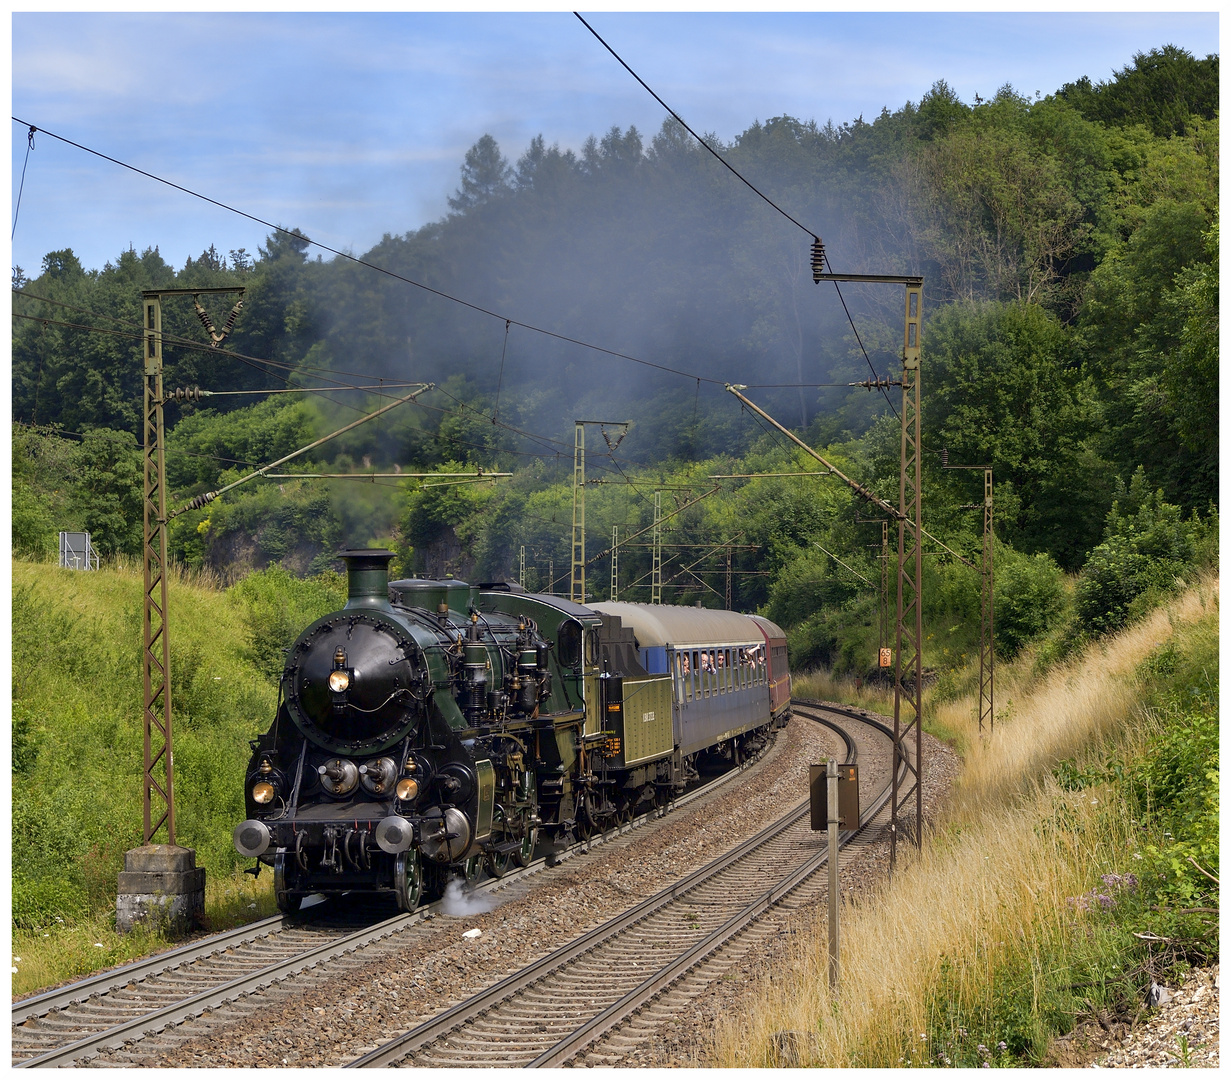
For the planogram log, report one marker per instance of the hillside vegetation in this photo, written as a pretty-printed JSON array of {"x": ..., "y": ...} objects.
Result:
[{"x": 1069, "y": 246}]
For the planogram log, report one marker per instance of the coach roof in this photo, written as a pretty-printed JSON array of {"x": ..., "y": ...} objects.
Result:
[{"x": 665, "y": 624}]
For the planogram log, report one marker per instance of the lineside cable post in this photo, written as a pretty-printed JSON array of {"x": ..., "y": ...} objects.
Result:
[{"x": 987, "y": 636}]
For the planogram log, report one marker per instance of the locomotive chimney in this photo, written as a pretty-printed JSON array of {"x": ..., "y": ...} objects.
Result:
[{"x": 367, "y": 577}]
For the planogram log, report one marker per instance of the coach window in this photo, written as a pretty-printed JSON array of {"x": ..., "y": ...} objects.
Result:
[{"x": 727, "y": 671}]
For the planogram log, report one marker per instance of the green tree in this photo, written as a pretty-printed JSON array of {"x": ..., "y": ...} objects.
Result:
[
  {"x": 1002, "y": 390},
  {"x": 485, "y": 176},
  {"x": 1162, "y": 89},
  {"x": 108, "y": 494},
  {"x": 1147, "y": 546}
]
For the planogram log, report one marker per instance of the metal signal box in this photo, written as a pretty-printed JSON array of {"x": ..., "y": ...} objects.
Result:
[{"x": 848, "y": 796}]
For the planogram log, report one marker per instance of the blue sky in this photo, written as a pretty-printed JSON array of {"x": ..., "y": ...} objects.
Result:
[{"x": 352, "y": 125}]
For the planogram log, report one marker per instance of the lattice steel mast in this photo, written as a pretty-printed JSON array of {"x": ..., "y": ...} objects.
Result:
[{"x": 158, "y": 796}]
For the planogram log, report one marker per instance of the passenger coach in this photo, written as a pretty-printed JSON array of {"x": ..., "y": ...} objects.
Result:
[{"x": 728, "y": 671}]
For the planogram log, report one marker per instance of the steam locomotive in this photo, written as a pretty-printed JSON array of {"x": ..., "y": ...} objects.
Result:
[{"x": 432, "y": 729}]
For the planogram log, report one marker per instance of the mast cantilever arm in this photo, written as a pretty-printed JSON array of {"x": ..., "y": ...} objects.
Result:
[
  {"x": 856, "y": 487},
  {"x": 210, "y": 496}
]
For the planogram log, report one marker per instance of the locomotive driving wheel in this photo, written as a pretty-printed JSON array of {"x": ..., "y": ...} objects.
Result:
[
  {"x": 408, "y": 879},
  {"x": 624, "y": 811},
  {"x": 471, "y": 868},
  {"x": 498, "y": 861},
  {"x": 530, "y": 833}
]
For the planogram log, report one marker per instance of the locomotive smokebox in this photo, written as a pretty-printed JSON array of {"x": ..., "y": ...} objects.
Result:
[{"x": 367, "y": 577}]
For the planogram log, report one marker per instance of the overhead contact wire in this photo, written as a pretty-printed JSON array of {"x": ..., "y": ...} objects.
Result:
[{"x": 22, "y": 186}]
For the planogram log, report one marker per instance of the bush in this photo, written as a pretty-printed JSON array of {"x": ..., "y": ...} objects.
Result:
[
  {"x": 1146, "y": 548},
  {"x": 277, "y": 607},
  {"x": 1029, "y": 594},
  {"x": 46, "y": 900}
]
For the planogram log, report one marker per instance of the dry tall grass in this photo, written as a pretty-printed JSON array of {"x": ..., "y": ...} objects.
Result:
[{"x": 989, "y": 889}]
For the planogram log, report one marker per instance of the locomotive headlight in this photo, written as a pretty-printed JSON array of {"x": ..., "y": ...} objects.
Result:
[
  {"x": 339, "y": 681},
  {"x": 407, "y": 789},
  {"x": 263, "y": 792}
]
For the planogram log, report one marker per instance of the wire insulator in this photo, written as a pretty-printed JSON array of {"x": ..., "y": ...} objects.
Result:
[
  {"x": 186, "y": 393},
  {"x": 239, "y": 306},
  {"x": 201, "y": 500},
  {"x": 818, "y": 259},
  {"x": 206, "y": 321}
]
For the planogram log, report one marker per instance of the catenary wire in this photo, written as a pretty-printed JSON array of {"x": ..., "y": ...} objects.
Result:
[
  {"x": 734, "y": 172},
  {"x": 690, "y": 131},
  {"x": 376, "y": 267}
]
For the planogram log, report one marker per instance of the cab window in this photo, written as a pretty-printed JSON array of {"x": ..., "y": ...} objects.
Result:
[{"x": 568, "y": 644}]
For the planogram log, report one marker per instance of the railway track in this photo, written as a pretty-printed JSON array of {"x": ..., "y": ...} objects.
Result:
[
  {"x": 560, "y": 1007},
  {"x": 109, "y": 1011}
]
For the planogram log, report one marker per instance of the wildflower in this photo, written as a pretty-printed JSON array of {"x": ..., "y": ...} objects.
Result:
[
  {"x": 923, "y": 1035},
  {"x": 1002, "y": 1046},
  {"x": 14, "y": 971},
  {"x": 98, "y": 945},
  {"x": 16, "y": 959},
  {"x": 46, "y": 935},
  {"x": 1130, "y": 882},
  {"x": 1137, "y": 855},
  {"x": 982, "y": 1049},
  {"x": 987, "y": 1064},
  {"x": 1106, "y": 902},
  {"x": 1111, "y": 879}
]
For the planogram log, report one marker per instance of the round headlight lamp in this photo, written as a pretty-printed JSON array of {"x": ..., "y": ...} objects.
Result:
[
  {"x": 339, "y": 681},
  {"x": 407, "y": 789},
  {"x": 263, "y": 792}
]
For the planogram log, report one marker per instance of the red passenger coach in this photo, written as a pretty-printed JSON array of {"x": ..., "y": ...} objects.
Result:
[{"x": 779, "y": 674}]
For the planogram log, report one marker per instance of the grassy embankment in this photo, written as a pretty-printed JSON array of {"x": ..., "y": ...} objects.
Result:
[
  {"x": 77, "y": 758},
  {"x": 1071, "y": 830}
]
